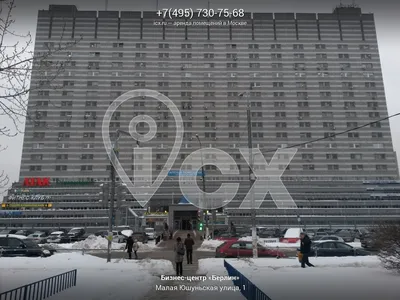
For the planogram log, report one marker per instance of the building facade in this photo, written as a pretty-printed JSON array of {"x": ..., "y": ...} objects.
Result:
[{"x": 307, "y": 77}]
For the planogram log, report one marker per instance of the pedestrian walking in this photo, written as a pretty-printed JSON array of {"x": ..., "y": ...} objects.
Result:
[
  {"x": 305, "y": 248},
  {"x": 135, "y": 248},
  {"x": 179, "y": 250},
  {"x": 189, "y": 243},
  {"x": 129, "y": 246}
]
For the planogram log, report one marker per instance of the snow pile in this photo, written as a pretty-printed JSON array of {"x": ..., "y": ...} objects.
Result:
[
  {"x": 333, "y": 278},
  {"x": 97, "y": 279},
  {"x": 100, "y": 243},
  {"x": 321, "y": 262},
  {"x": 96, "y": 242},
  {"x": 210, "y": 245},
  {"x": 357, "y": 278},
  {"x": 127, "y": 232}
]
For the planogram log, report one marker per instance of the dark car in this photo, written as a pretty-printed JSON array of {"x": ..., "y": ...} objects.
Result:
[
  {"x": 13, "y": 245},
  {"x": 234, "y": 249},
  {"x": 331, "y": 248},
  {"x": 140, "y": 237},
  {"x": 24, "y": 232},
  {"x": 346, "y": 235},
  {"x": 103, "y": 233},
  {"x": 76, "y": 234},
  {"x": 228, "y": 237},
  {"x": 8, "y": 231}
]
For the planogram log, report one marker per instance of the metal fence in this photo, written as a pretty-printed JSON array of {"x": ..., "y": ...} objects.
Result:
[
  {"x": 42, "y": 289},
  {"x": 247, "y": 288}
]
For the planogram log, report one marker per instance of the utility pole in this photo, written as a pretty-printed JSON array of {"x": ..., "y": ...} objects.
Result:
[
  {"x": 111, "y": 212},
  {"x": 111, "y": 215},
  {"x": 203, "y": 176},
  {"x": 251, "y": 177}
]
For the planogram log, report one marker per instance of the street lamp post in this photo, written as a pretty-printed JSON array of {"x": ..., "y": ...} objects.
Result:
[
  {"x": 252, "y": 177},
  {"x": 111, "y": 212},
  {"x": 203, "y": 176}
]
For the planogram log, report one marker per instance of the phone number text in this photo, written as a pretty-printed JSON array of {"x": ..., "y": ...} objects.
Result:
[{"x": 189, "y": 13}]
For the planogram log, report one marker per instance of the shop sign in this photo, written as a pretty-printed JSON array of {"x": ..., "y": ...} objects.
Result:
[{"x": 36, "y": 181}]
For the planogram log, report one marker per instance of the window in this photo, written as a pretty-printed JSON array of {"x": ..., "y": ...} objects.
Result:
[
  {"x": 321, "y": 56},
  {"x": 366, "y": 56},
  {"x": 320, "y": 46},
  {"x": 276, "y": 56},
  {"x": 163, "y": 55},
  {"x": 331, "y": 156},
  {"x": 208, "y": 46},
  {"x": 186, "y": 55},
  {"x": 333, "y": 167},
  {"x": 343, "y": 56},
  {"x": 118, "y": 45},
  {"x": 298, "y": 56},
  {"x": 61, "y": 168},
  {"x": 370, "y": 85},
  {"x": 308, "y": 167},
  {"x": 208, "y": 55},
  {"x": 140, "y": 45},
  {"x": 343, "y": 246},
  {"x": 254, "y": 56},
  {"x": 357, "y": 167},
  {"x": 186, "y": 46},
  {"x": 329, "y": 245},
  {"x": 381, "y": 167},
  {"x": 35, "y": 168},
  {"x": 254, "y": 65},
  {"x": 298, "y": 46},
  {"x": 163, "y": 46},
  {"x": 276, "y": 46}
]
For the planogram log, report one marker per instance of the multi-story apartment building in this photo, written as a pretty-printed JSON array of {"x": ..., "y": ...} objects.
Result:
[{"x": 307, "y": 76}]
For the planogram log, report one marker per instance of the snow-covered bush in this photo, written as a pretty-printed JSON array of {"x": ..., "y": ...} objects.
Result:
[{"x": 387, "y": 237}]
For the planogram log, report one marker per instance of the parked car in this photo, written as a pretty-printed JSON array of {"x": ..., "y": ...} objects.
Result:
[
  {"x": 346, "y": 235},
  {"x": 333, "y": 248},
  {"x": 103, "y": 233},
  {"x": 8, "y": 231},
  {"x": 24, "y": 232},
  {"x": 234, "y": 249},
  {"x": 140, "y": 237},
  {"x": 329, "y": 238},
  {"x": 150, "y": 233},
  {"x": 58, "y": 237},
  {"x": 228, "y": 237},
  {"x": 16, "y": 245},
  {"x": 76, "y": 233},
  {"x": 38, "y": 237}
]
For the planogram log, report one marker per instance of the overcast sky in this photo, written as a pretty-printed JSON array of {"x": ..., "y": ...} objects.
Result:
[{"x": 387, "y": 17}]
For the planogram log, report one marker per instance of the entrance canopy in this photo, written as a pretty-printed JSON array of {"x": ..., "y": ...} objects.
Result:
[{"x": 184, "y": 200}]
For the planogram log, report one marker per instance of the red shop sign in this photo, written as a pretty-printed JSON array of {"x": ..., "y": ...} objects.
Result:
[{"x": 36, "y": 181}]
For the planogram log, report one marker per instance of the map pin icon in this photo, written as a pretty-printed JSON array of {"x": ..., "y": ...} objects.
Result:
[{"x": 144, "y": 189}]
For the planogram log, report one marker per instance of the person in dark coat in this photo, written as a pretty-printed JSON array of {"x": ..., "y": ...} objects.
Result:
[
  {"x": 129, "y": 246},
  {"x": 179, "y": 250},
  {"x": 189, "y": 243},
  {"x": 305, "y": 248}
]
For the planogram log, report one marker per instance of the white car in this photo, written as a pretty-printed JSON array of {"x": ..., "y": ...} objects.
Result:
[
  {"x": 57, "y": 237},
  {"x": 330, "y": 238},
  {"x": 150, "y": 233}
]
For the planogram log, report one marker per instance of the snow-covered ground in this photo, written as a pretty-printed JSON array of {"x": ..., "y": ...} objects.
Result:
[
  {"x": 226, "y": 289},
  {"x": 211, "y": 245},
  {"x": 97, "y": 279},
  {"x": 100, "y": 243},
  {"x": 333, "y": 278}
]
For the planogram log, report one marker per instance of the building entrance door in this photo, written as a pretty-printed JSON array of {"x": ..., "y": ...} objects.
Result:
[{"x": 177, "y": 224}]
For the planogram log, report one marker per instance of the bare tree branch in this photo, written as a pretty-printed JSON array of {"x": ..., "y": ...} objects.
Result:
[
  {"x": 387, "y": 238},
  {"x": 18, "y": 61}
]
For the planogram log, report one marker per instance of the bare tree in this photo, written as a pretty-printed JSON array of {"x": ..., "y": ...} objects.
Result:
[
  {"x": 17, "y": 62},
  {"x": 387, "y": 239}
]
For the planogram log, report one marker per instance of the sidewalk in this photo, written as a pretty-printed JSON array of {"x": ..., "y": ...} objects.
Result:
[{"x": 188, "y": 270}]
